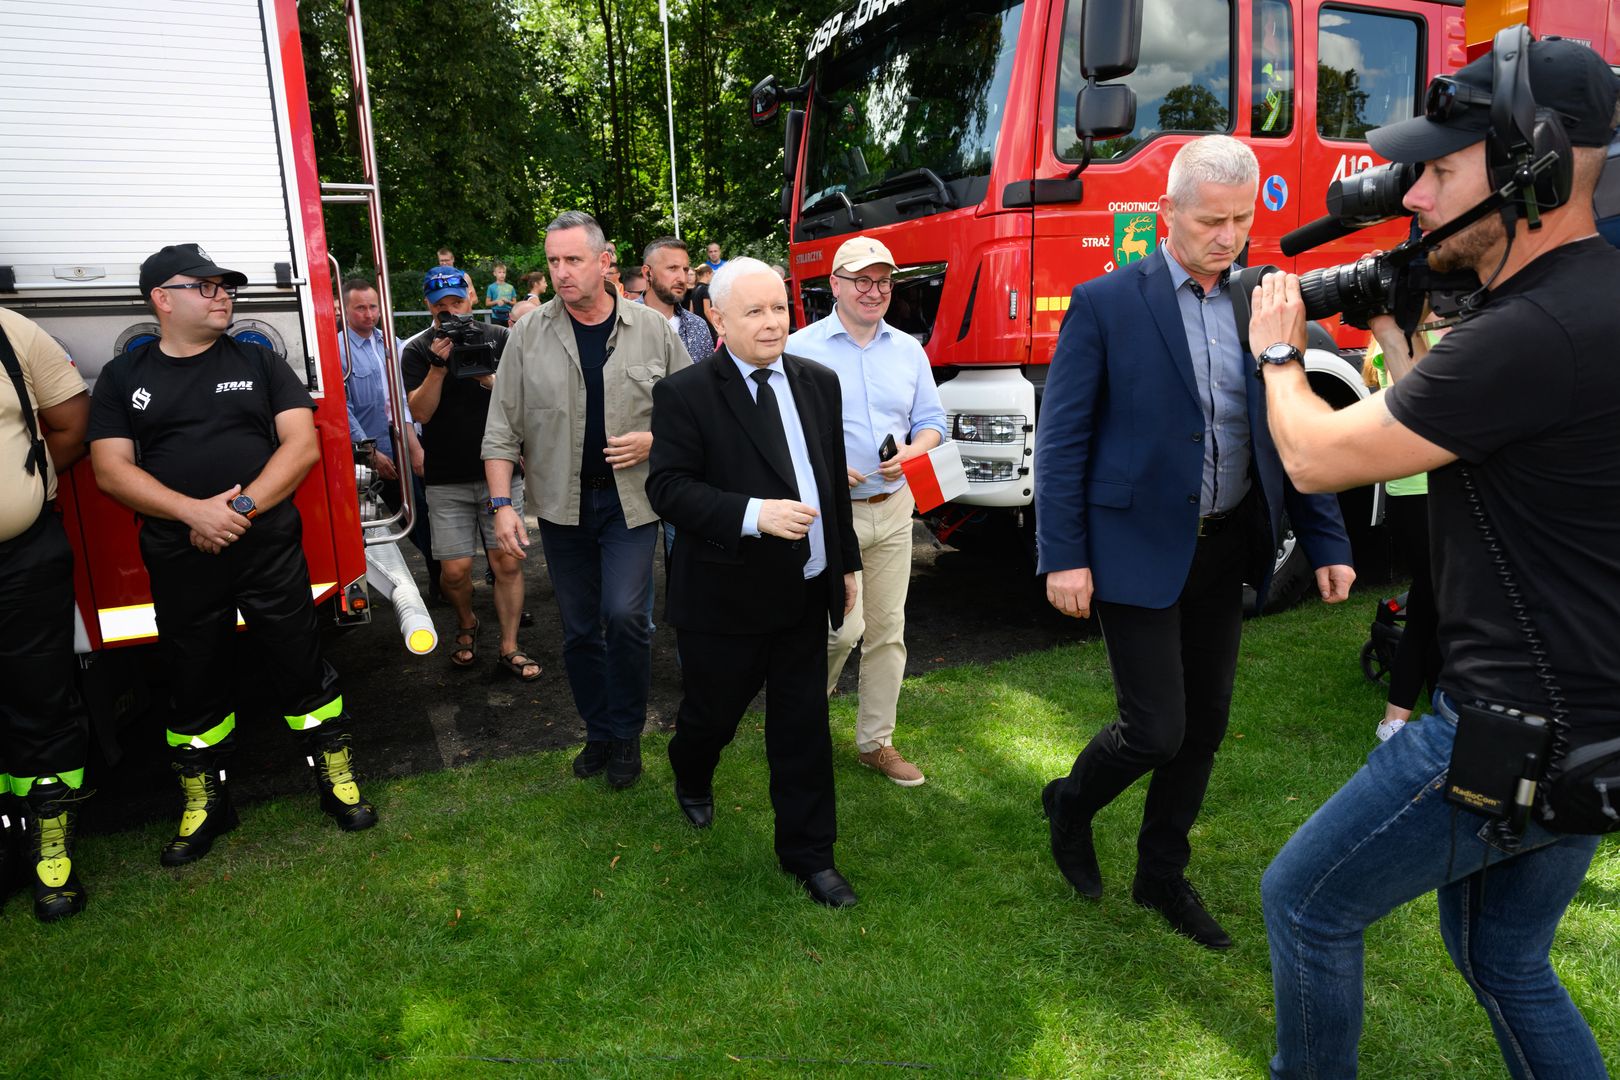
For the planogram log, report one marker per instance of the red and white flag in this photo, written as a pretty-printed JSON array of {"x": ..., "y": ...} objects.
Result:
[{"x": 936, "y": 477}]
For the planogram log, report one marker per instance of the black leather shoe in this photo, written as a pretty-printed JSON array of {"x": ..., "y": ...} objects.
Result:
[
  {"x": 624, "y": 762},
  {"x": 829, "y": 889},
  {"x": 526, "y": 619},
  {"x": 1182, "y": 908},
  {"x": 592, "y": 759},
  {"x": 1072, "y": 849},
  {"x": 699, "y": 809}
]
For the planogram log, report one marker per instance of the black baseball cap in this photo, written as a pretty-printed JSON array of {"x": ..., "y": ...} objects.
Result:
[
  {"x": 189, "y": 259},
  {"x": 1565, "y": 76}
]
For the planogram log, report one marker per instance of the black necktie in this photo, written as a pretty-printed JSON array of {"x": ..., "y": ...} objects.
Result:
[{"x": 771, "y": 416}]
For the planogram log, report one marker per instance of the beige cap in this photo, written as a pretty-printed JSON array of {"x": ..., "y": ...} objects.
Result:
[{"x": 859, "y": 252}]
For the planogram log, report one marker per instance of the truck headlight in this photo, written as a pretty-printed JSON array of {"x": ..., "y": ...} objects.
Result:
[
  {"x": 983, "y": 428},
  {"x": 986, "y": 471}
]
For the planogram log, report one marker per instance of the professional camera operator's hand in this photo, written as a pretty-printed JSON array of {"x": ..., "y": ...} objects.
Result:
[
  {"x": 213, "y": 519},
  {"x": 786, "y": 518},
  {"x": 510, "y": 533},
  {"x": 628, "y": 450},
  {"x": 440, "y": 347},
  {"x": 1333, "y": 582},
  {"x": 1070, "y": 592},
  {"x": 1278, "y": 313}
]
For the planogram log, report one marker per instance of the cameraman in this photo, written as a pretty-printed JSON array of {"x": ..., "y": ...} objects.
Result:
[
  {"x": 451, "y": 409},
  {"x": 1526, "y": 394}
]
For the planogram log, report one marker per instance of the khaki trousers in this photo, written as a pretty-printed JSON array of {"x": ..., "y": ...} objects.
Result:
[{"x": 878, "y": 620}]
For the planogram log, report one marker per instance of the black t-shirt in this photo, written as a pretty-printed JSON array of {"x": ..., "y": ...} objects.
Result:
[
  {"x": 592, "y": 342},
  {"x": 452, "y": 442},
  {"x": 201, "y": 424},
  {"x": 1527, "y": 392}
]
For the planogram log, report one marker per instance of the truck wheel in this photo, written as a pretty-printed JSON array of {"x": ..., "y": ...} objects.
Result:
[{"x": 1291, "y": 576}]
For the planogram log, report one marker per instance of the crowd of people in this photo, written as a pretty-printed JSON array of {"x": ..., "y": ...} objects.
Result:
[{"x": 662, "y": 406}]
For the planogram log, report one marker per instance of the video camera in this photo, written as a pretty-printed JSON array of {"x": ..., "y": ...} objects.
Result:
[
  {"x": 471, "y": 355},
  {"x": 1395, "y": 282}
]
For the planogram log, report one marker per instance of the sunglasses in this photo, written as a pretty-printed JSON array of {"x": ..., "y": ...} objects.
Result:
[{"x": 1447, "y": 98}]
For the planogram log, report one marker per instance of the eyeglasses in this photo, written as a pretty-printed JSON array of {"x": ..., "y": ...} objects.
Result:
[
  {"x": 635, "y": 294},
  {"x": 863, "y": 284},
  {"x": 208, "y": 289},
  {"x": 1446, "y": 98}
]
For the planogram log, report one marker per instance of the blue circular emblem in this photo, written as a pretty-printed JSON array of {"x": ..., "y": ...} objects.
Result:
[{"x": 1275, "y": 193}]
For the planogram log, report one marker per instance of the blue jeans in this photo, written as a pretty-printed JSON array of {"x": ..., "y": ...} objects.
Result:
[
  {"x": 601, "y": 571},
  {"x": 1387, "y": 837}
]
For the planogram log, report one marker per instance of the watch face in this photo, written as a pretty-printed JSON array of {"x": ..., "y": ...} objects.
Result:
[
  {"x": 1280, "y": 353},
  {"x": 242, "y": 504}
]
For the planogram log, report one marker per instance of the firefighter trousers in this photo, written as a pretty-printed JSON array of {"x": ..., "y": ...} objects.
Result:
[
  {"x": 197, "y": 596},
  {"x": 43, "y": 727}
]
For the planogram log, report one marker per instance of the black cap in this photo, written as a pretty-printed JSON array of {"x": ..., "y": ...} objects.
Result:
[
  {"x": 1565, "y": 76},
  {"x": 189, "y": 259}
]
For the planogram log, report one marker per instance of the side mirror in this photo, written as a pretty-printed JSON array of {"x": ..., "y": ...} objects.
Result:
[
  {"x": 763, "y": 101},
  {"x": 1104, "y": 112},
  {"x": 1110, "y": 38},
  {"x": 793, "y": 131}
]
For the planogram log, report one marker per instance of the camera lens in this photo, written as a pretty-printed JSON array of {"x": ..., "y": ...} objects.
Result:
[{"x": 1372, "y": 194}]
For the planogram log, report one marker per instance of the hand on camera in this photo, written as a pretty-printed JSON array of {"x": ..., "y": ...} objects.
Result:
[{"x": 1277, "y": 313}]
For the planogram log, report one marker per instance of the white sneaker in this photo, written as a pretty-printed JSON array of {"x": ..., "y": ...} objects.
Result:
[{"x": 1387, "y": 728}]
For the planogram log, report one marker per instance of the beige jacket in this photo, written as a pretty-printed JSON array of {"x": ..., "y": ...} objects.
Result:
[{"x": 537, "y": 412}]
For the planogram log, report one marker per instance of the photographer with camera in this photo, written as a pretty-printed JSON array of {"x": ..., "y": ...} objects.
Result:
[
  {"x": 1515, "y": 415},
  {"x": 449, "y": 372}
]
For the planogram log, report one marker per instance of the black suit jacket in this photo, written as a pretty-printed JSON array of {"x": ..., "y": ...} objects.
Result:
[{"x": 708, "y": 460}]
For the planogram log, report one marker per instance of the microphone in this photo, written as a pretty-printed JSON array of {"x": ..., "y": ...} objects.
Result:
[{"x": 1314, "y": 233}]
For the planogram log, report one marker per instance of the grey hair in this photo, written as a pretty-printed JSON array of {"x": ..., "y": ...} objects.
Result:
[
  {"x": 727, "y": 275},
  {"x": 1212, "y": 159},
  {"x": 660, "y": 244},
  {"x": 579, "y": 219}
]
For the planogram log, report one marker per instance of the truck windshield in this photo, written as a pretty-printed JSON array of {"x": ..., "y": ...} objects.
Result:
[{"x": 925, "y": 91}]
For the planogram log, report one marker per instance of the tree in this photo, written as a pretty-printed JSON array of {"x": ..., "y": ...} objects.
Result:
[{"x": 1191, "y": 107}]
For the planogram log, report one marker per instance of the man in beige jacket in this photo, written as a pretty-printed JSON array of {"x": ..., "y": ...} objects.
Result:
[{"x": 573, "y": 396}]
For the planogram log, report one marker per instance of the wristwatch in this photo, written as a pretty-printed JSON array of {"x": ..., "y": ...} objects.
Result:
[
  {"x": 1278, "y": 354},
  {"x": 492, "y": 505},
  {"x": 244, "y": 505}
]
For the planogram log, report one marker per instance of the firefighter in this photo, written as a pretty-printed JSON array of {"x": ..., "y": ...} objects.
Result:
[
  {"x": 224, "y": 433},
  {"x": 43, "y": 731}
]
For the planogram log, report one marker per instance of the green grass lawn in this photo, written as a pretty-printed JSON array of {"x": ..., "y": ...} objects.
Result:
[{"x": 506, "y": 919}]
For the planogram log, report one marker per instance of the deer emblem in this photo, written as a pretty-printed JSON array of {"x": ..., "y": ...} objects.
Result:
[{"x": 1134, "y": 247}]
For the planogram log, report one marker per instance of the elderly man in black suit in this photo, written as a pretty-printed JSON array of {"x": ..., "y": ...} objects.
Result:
[{"x": 748, "y": 464}]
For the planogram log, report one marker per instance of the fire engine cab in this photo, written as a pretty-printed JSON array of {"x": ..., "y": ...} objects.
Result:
[
  {"x": 958, "y": 134},
  {"x": 130, "y": 127}
]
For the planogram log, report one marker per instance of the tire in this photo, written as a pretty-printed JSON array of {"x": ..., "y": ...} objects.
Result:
[{"x": 1291, "y": 575}]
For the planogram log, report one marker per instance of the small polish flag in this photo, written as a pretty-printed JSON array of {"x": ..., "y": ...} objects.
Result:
[{"x": 936, "y": 477}]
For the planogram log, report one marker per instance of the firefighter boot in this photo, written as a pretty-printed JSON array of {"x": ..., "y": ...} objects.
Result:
[
  {"x": 13, "y": 831},
  {"x": 49, "y": 853},
  {"x": 333, "y": 761},
  {"x": 206, "y": 814}
]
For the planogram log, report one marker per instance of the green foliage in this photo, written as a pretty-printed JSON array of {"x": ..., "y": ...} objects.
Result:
[
  {"x": 505, "y": 919},
  {"x": 493, "y": 116}
]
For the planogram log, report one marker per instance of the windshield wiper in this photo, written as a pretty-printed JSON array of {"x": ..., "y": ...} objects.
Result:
[
  {"x": 827, "y": 202},
  {"x": 939, "y": 196}
]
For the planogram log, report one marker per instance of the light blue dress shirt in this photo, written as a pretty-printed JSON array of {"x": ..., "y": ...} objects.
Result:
[
  {"x": 1219, "y": 368},
  {"x": 888, "y": 388},
  {"x": 804, "y": 476},
  {"x": 366, "y": 388}
]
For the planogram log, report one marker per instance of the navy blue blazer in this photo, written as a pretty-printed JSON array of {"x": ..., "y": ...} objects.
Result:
[{"x": 1119, "y": 452}]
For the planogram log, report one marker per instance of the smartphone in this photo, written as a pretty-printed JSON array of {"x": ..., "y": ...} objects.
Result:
[{"x": 888, "y": 449}]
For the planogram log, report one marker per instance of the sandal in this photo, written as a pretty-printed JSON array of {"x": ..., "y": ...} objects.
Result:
[
  {"x": 470, "y": 649},
  {"x": 515, "y": 661}
]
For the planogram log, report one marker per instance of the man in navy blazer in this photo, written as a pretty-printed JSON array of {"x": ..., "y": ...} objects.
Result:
[{"x": 1159, "y": 493}]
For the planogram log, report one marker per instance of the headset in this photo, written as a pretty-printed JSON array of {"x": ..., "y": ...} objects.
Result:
[{"x": 1523, "y": 134}]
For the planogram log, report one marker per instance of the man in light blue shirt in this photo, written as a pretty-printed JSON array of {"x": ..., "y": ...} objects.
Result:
[
  {"x": 365, "y": 388},
  {"x": 888, "y": 390}
]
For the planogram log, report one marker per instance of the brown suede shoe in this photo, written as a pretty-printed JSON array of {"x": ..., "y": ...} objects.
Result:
[{"x": 887, "y": 760}]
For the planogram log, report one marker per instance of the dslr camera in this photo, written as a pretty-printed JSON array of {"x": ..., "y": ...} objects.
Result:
[
  {"x": 1395, "y": 282},
  {"x": 471, "y": 356}
]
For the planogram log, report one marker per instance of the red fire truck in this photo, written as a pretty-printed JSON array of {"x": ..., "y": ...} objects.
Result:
[
  {"x": 129, "y": 127},
  {"x": 958, "y": 134}
]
